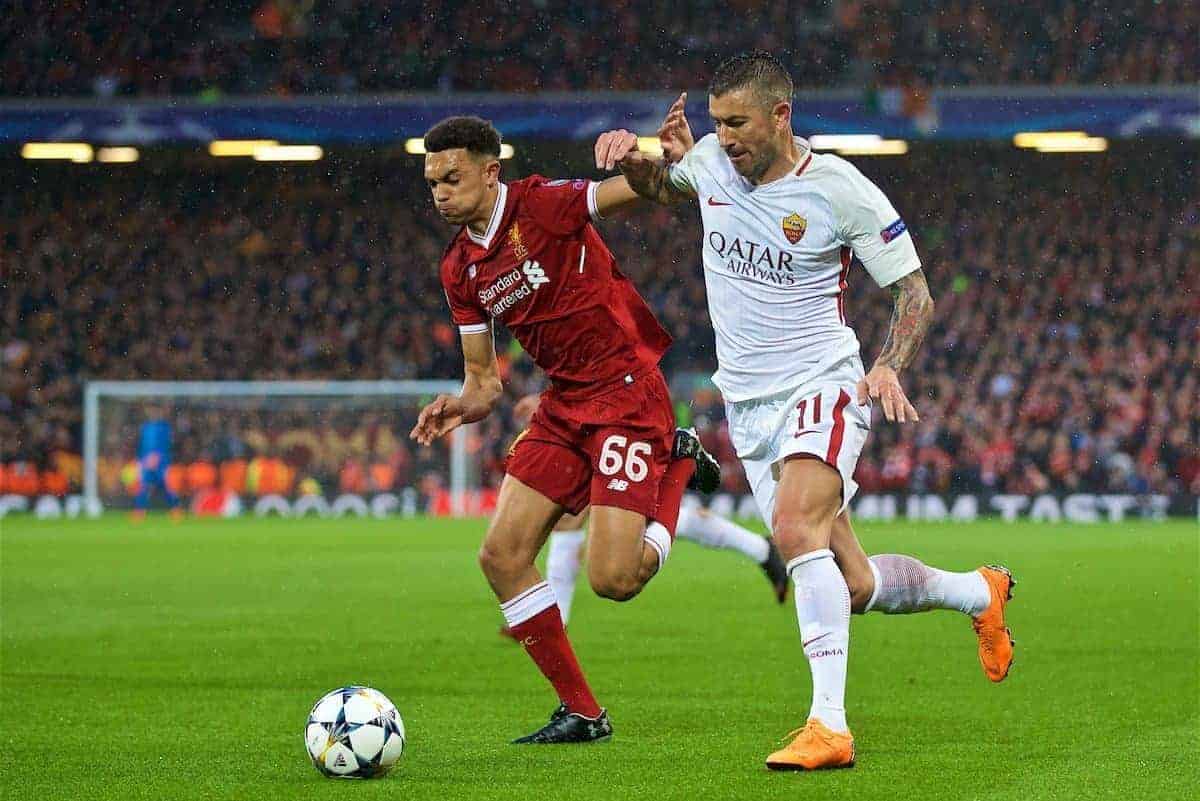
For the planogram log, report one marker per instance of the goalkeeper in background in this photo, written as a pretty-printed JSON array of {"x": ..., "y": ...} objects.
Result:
[{"x": 154, "y": 457}]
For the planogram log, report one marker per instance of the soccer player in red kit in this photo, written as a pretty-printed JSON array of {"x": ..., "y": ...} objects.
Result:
[{"x": 528, "y": 255}]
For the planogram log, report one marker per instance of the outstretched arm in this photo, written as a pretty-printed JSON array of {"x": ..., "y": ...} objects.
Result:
[
  {"x": 912, "y": 314},
  {"x": 481, "y": 390},
  {"x": 650, "y": 178},
  {"x": 614, "y": 195},
  {"x": 642, "y": 174}
]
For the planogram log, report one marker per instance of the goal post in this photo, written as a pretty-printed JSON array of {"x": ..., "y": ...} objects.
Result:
[{"x": 329, "y": 417}]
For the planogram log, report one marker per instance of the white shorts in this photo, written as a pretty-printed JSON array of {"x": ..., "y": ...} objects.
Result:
[{"x": 821, "y": 418}]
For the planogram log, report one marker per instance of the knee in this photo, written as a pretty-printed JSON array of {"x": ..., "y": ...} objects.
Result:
[
  {"x": 501, "y": 563},
  {"x": 801, "y": 530},
  {"x": 616, "y": 590},
  {"x": 616, "y": 586}
]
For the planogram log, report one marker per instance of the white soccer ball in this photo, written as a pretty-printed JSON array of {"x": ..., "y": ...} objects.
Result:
[{"x": 354, "y": 733}]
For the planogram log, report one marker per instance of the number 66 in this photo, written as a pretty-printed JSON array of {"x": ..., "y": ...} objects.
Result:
[{"x": 611, "y": 459}]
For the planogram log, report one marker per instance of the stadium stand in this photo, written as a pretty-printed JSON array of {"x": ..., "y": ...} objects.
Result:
[
  {"x": 1063, "y": 357},
  {"x": 330, "y": 46}
]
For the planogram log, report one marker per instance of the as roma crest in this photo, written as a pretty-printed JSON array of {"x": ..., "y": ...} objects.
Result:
[{"x": 794, "y": 227}]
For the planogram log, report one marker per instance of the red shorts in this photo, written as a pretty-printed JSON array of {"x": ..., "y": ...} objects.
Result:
[{"x": 608, "y": 450}]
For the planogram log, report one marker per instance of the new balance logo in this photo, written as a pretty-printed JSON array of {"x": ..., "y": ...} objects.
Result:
[
  {"x": 535, "y": 274},
  {"x": 618, "y": 484}
]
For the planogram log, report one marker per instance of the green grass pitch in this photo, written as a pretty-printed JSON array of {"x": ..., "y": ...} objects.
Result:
[{"x": 180, "y": 660}]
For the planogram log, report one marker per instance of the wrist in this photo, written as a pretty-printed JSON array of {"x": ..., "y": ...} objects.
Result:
[
  {"x": 634, "y": 161},
  {"x": 475, "y": 409},
  {"x": 473, "y": 413}
]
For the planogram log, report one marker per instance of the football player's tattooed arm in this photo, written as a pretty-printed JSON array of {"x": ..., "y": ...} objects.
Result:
[
  {"x": 651, "y": 179},
  {"x": 912, "y": 313},
  {"x": 911, "y": 316},
  {"x": 641, "y": 172},
  {"x": 481, "y": 391}
]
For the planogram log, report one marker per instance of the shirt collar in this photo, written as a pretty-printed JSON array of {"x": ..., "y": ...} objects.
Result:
[{"x": 485, "y": 241}]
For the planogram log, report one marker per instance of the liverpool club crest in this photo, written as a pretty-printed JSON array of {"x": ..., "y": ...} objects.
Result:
[
  {"x": 794, "y": 227},
  {"x": 518, "y": 247}
]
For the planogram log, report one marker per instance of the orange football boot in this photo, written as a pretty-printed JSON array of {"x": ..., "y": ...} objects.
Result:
[
  {"x": 995, "y": 640},
  {"x": 815, "y": 747}
]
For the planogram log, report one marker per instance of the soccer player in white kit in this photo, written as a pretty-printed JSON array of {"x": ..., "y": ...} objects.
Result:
[{"x": 782, "y": 226}]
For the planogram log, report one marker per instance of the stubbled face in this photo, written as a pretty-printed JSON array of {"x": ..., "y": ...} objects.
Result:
[
  {"x": 752, "y": 133},
  {"x": 459, "y": 183}
]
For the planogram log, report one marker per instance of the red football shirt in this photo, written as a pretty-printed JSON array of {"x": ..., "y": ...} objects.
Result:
[{"x": 543, "y": 270}]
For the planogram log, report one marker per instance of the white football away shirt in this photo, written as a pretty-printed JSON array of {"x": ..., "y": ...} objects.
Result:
[{"x": 776, "y": 258}]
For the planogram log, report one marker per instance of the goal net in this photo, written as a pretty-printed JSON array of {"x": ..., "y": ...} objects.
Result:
[{"x": 292, "y": 448}]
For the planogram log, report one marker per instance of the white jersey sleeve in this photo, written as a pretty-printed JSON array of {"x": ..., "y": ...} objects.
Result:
[
  {"x": 869, "y": 225},
  {"x": 689, "y": 171}
]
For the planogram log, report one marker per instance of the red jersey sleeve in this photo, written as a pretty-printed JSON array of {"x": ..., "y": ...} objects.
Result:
[
  {"x": 465, "y": 310},
  {"x": 563, "y": 206}
]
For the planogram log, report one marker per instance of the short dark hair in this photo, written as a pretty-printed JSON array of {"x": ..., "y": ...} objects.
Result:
[
  {"x": 757, "y": 70},
  {"x": 477, "y": 135}
]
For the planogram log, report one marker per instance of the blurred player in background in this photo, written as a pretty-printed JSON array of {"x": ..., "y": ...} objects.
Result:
[
  {"x": 564, "y": 549},
  {"x": 781, "y": 225},
  {"x": 527, "y": 254},
  {"x": 154, "y": 458}
]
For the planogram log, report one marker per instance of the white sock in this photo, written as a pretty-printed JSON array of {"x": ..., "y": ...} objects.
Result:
[
  {"x": 717, "y": 532},
  {"x": 562, "y": 567},
  {"x": 823, "y": 611},
  {"x": 527, "y": 604},
  {"x": 904, "y": 585},
  {"x": 658, "y": 538}
]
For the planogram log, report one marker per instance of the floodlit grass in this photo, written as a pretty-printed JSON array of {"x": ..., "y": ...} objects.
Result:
[{"x": 179, "y": 661}]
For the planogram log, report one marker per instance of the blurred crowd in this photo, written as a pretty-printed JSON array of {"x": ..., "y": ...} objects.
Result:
[
  {"x": 262, "y": 445},
  {"x": 73, "y": 48},
  {"x": 1064, "y": 355}
]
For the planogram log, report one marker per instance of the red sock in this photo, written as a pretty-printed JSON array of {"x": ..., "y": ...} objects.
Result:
[
  {"x": 670, "y": 493},
  {"x": 546, "y": 642}
]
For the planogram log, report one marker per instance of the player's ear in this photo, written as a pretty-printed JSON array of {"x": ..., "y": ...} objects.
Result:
[
  {"x": 782, "y": 114},
  {"x": 491, "y": 173}
]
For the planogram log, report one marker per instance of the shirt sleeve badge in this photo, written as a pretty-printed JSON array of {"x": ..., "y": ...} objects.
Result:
[{"x": 892, "y": 231}]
